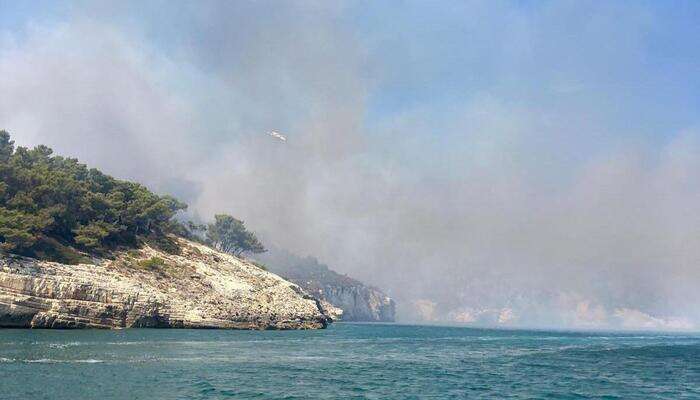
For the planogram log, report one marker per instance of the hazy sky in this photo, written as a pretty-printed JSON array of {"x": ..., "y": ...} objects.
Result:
[{"x": 523, "y": 163}]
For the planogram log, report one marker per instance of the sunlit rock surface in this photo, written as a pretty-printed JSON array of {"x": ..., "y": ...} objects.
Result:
[{"x": 200, "y": 288}]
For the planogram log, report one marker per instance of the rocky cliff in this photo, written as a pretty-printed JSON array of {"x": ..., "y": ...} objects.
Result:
[
  {"x": 356, "y": 301},
  {"x": 200, "y": 288}
]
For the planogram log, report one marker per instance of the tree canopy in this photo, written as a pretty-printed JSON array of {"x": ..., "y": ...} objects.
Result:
[
  {"x": 56, "y": 208},
  {"x": 48, "y": 200},
  {"x": 229, "y": 235}
]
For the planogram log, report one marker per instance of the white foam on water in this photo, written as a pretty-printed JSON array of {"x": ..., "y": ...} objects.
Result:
[{"x": 54, "y": 361}]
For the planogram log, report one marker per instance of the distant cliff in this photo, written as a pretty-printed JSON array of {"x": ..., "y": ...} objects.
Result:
[
  {"x": 199, "y": 288},
  {"x": 358, "y": 302}
]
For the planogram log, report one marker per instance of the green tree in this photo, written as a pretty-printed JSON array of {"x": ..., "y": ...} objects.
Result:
[
  {"x": 51, "y": 201},
  {"x": 229, "y": 235},
  {"x": 94, "y": 234},
  {"x": 7, "y": 146}
]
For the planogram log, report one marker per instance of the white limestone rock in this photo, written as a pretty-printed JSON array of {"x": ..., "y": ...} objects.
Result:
[{"x": 200, "y": 288}]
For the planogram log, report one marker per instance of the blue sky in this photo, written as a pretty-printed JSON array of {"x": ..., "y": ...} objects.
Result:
[
  {"x": 439, "y": 149},
  {"x": 438, "y": 54}
]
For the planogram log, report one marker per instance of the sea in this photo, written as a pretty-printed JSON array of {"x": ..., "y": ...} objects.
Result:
[{"x": 348, "y": 361}]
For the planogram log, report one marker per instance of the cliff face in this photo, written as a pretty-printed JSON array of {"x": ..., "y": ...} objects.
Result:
[
  {"x": 356, "y": 301},
  {"x": 200, "y": 288}
]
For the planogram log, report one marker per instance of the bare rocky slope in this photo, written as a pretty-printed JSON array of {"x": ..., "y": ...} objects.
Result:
[
  {"x": 200, "y": 288},
  {"x": 356, "y": 301}
]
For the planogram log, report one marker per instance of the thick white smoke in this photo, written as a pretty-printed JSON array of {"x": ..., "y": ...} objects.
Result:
[{"x": 542, "y": 196}]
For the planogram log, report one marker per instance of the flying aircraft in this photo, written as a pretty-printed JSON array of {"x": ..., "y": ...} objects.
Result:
[{"x": 277, "y": 135}]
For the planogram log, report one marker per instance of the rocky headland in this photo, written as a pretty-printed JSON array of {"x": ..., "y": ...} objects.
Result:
[
  {"x": 198, "y": 288},
  {"x": 347, "y": 299}
]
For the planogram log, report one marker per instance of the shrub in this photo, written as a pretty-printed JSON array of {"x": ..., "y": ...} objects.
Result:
[
  {"x": 152, "y": 264},
  {"x": 259, "y": 265}
]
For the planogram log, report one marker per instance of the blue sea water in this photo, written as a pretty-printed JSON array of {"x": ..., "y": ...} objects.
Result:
[{"x": 347, "y": 361}]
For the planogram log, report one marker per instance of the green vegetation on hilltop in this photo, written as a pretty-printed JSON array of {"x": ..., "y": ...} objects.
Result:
[
  {"x": 56, "y": 208},
  {"x": 48, "y": 202}
]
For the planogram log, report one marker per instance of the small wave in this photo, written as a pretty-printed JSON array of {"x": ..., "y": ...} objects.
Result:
[
  {"x": 657, "y": 351},
  {"x": 129, "y": 343},
  {"x": 54, "y": 361},
  {"x": 65, "y": 345}
]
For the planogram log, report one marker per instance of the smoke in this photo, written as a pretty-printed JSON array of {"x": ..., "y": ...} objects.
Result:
[{"x": 482, "y": 162}]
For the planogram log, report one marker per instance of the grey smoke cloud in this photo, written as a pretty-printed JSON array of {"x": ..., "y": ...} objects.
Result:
[{"x": 536, "y": 196}]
